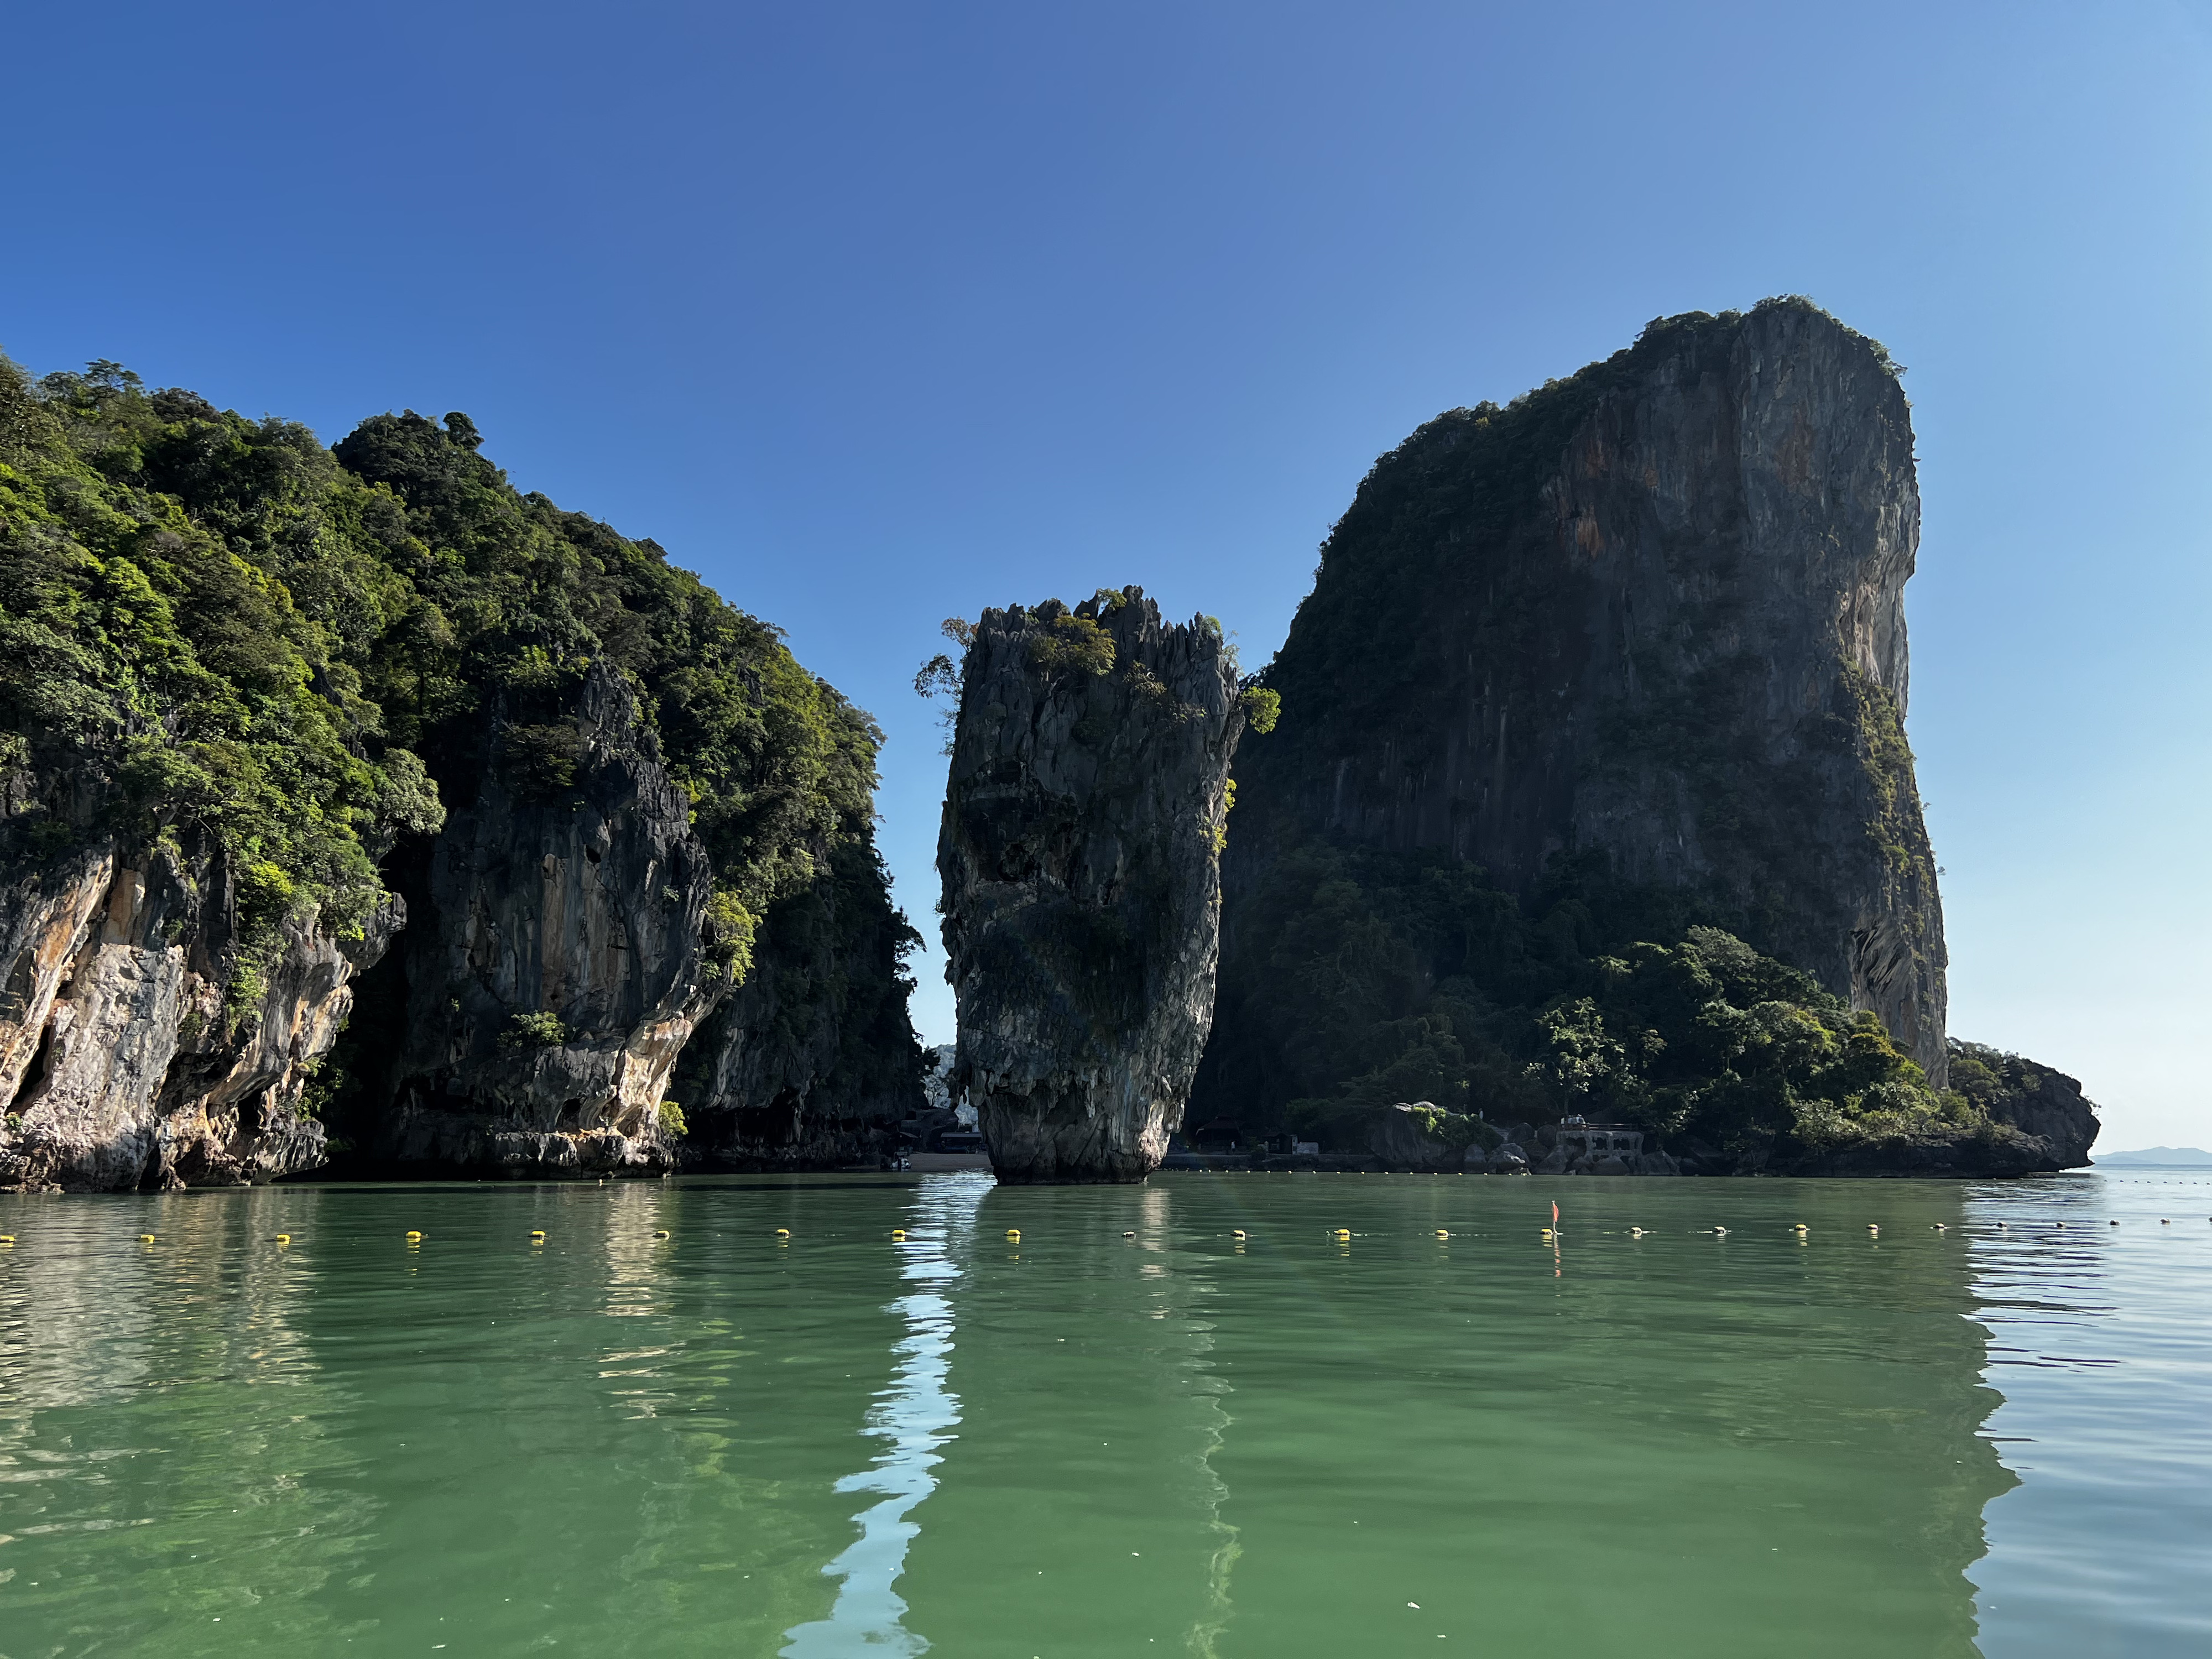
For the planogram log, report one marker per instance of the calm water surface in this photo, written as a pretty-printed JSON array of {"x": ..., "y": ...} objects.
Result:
[{"x": 1982, "y": 1440}]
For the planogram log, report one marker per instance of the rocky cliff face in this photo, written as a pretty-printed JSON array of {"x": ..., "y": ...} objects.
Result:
[
  {"x": 553, "y": 967},
  {"x": 1654, "y": 615},
  {"x": 136, "y": 1050},
  {"x": 1080, "y": 856},
  {"x": 2049, "y": 1110},
  {"x": 811, "y": 1063},
  {"x": 1745, "y": 516},
  {"x": 243, "y": 672}
]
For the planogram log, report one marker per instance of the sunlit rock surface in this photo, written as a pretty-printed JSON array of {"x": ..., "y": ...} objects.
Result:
[{"x": 133, "y": 1053}]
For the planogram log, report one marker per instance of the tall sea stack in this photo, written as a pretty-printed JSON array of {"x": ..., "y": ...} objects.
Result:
[{"x": 1081, "y": 858}]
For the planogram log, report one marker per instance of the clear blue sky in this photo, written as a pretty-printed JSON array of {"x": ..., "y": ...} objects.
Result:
[{"x": 876, "y": 314}]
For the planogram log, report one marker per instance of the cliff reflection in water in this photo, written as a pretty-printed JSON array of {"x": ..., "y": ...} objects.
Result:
[
  {"x": 1689, "y": 1442},
  {"x": 1080, "y": 1512},
  {"x": 1076, "y": 1443},
  {"x": 914, "y": 1415},
  {"x": 149, "y": 1393}
]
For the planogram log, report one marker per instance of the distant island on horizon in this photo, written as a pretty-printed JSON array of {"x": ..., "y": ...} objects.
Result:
[{"x": 2154, "y": 1155}]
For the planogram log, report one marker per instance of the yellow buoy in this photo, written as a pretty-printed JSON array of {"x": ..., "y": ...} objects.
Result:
[
  {"x": 414, "y": 1237},
  {"x": 1441, "y": 1233},
  {"x": 1720, "y": 1232},
  {"x": 145, "y": 1238},
  {"x": 1236, "y": 1232},
  {"x": 1343, "y": 1232},
  {"x": 1635, "y": 1232},
  {"x": 537, "y": 1234},
  {"x": 783, "y": 1232},
  {"x": 660, "y": 1232},
  {"x": 898, "y": 1232},
  {"x": 7, "y": 1240},
  {"x": 1799, "y": 1228},
  {"x": 284, "y": 1238},
  {"x": 1014, "y": 1232},
  {"x": 1872, "y": 1230}
]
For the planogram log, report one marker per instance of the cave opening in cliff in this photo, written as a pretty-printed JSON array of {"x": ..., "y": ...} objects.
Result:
[
  {"x": 774, "y": 1125},
  {"x": 35, "y": 1073}
]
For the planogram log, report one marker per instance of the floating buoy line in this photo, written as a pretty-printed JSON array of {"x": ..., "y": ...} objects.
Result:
[{"x": 1552, "y": 1234}]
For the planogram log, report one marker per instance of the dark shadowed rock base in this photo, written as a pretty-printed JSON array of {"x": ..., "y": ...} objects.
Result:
[
  {"x": 551, "y": 971},
  {"x": 811, "y": 1063}
]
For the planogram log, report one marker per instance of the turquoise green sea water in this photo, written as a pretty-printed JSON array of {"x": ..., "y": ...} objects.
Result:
[{"x": 1982, "y": 1439}]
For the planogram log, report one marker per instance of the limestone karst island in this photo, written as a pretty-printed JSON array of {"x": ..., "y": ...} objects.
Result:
[
  {"x": 984, "y": 831},
  {"x": 365, "y": 816}
]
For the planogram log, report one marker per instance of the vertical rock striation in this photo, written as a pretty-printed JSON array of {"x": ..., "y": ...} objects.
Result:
[
  {"x": 137, "y": 1049},
  {"x": 812, "y": 1062},
  {"x": 1080, "y": 856},
  {"x": 553, "y": 964},
  {"x": 1652, "y": 614},
  {"x": 242, "y": 672}
]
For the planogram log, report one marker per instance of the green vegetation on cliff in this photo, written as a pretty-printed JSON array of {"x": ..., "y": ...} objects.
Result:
[
  {"x": 1363, "y": 644},
  {"x": 216, "y": 625},
  {"x": 511, "y": 600},
  {"x": 1365, "y": 978},
  {"x": 1584, "y": 635},
  {"x": 179, "y": 626}
]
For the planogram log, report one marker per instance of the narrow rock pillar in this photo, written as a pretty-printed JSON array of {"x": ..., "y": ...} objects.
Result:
[{"x": 1080, "y": 851}]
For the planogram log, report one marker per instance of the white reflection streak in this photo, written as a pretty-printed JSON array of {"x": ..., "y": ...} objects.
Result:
[
  {"x": 1219, "y": 1609},
  {"x": 913, "y": 1415}
]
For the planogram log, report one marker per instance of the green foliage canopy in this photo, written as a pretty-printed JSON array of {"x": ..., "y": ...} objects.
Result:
[
  {"x": 174, "y": 662},
  {"x": 1368, "y": 977},
  {"x": 215, "y": 624}
]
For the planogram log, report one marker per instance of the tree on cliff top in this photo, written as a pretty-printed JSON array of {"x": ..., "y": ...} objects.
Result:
[
  {"x": 214, "y": 623},
  {"x": 171, "y": 667}
]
